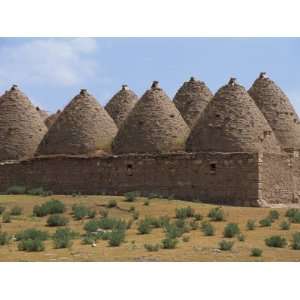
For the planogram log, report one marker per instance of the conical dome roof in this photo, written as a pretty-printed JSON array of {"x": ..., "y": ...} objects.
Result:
[
  {"x": 52, "y": 118},
  {"x": 231, "y": 122},
  {"x": 83, "y": 127},
  {"x": 43, "y": 114},
  {"x": 121, "y": 104},
  {"x": 278, "y": 111},
  {"x": 153, "y": 126},
  {"x": 21, "y": 127},
  {"x": 191, "y": 99}
]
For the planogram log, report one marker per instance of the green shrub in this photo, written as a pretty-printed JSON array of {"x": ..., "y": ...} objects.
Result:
[
  {"x": 276, "y": 241},
  {"x": 62, "y": 238},
  {"x": 256, "y": 252},
  {"x": 30, "y": 245},
  {"x": 241, "y": 237},
  {"x": 16, "y": 211},
  {"x": 198, "y": 217},
  {"x": 2, "y": 209},
  {"x": 152, "y": 247},
  {"x": 231, "y": 230},
  {"x": 164, "y": 221},
  {"x": 112, "y": 223},
  {"x": 296, "y": 241},
  {"x": 91, "y": 226},
  {"x": 112, "y": 203},
  {"x": 36, "y": 191},
  {"x": 33, "y": 234},
  {"x": 274, "y": 215},
  {"x": 135, "y": 215},
  {"x": 16, "y": 190},
  {"x": 4, "y": 238},
  {"x": 184, "y": 212},
  {"x": 131, "y": 196},
  {"x": 207, "y": 228},
  {"x": 173, "y": 232},
  {"x": 251, "y": 224},
  {"x": 80, "y": 211},
  {"x": 295, "y": 218},
  {"x": 91, "y": 213},
  {"x": 225, "y": 245},
  {"x": 50, "y": 207},
  {"x": 285, "y": 225},
  {"x": 57, "y": 220},
  {"x": 169, "y": 243},
  {"x": 216, "y": 214},
  {"x": 103, "y": 212},
  {"x": 6, "y": 217},
  {"x": 146, "y": 203},
  {"x": 266, "y": 222},
  {"x": 116, "y": 237},
  {"x": 185, "y": 238},
  {"x": 291, "y": 212},
  {"x": 144, "y": 227},
  {"x": 89, "y": 239}
]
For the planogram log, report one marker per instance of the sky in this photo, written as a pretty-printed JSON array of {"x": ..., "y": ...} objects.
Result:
[{"x": 51, "y": 71}]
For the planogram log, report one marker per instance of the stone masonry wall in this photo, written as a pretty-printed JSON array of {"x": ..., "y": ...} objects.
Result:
[{"x": 209, "y": 177}]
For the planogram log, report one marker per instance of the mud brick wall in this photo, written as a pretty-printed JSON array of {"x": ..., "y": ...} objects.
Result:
[
  {"x": 209, "y": 177},
  {"x": 279, "y": 179}
]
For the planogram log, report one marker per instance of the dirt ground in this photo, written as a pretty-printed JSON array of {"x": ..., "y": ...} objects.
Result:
[{"x": 198, "y": 248}]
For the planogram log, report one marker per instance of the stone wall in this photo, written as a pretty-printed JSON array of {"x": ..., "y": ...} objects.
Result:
[{"x": 223, "y": 178}]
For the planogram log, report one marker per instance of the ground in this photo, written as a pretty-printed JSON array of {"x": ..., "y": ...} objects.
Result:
[{"x": 198, "y": 248}]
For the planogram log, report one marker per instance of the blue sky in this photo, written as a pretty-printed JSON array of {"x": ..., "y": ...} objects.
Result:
[{"x": 51, "y": 71}]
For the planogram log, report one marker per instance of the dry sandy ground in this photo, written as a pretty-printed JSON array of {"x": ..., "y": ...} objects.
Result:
[{"x": 198, "y": 248}]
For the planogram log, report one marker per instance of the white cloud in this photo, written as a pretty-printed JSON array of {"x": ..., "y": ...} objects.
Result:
[{"x": 54, "y": 61}]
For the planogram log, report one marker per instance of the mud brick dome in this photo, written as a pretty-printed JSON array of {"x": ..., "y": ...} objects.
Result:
[
  {"x": 153, "y": 126},
  {"x": 278, "y": 111},
  {"x": 191, "y": 99},
  {"x": 83, "y": 127},
  {"x": 232, "y": 122},
  {"x": 52, "y": 118},
  {"x": 121, "y": 104},
  {"x": 21, "y": 127}
]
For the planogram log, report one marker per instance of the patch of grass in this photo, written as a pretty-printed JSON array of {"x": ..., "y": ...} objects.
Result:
[
  {"x": 256, "y": 252},
  {"x": 57, "y": 220},
  {"x": 226, "y": 245},
  {"x": 116, "y": 237},
  {"x": 50, "y": 207},
  {"x": 198, "y": 217},
  {"x": 135, "y": 215},
  {"x": 251, "y": 224},
  {"x": 273, "y": 215},
  {"x": 207, "y": 228},
  {"x": 111, "y": 203},
  {"x": 91, "y": 213},
  {"x": 173, "y": 231},
  {"x": 184, "y": 212},
  {"x": 16, "y": 190},
  {"x": 112, "y": 223},
  {"x": 132, "y": 208},
  {"x": 79, "y": 211},
  {"x": 30, "y": 245},
  {"x": 296, "y": 241},
  {"x": 131, "y": 196},
  {"x": 266, "y": 222},
  {"x": 16, "y": 211},
  {"x": 216, "y": 214},
  {"x": 146, "y": 203},
  {"x": 6, "y": 217},
  {"x": 194, "y": 225},
  {"x": 103, "y": 212},
  {"x": 4, "y": 238},
  {"x": 152, "y": 247},
  {"x": 231, "y": 230},
  {"x": 62, "y": 238},
  {"x": 285, "y": 225},
  {"x": 169, "y": 243},
  {"x": 276, "y": 241},
  {"x": 89, "y": 239}
]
